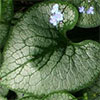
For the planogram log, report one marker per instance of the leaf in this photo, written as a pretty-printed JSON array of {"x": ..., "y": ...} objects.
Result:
[
  {"x": 21, "y": 95},
  {"x": 53, "y": 96},
  {"x": 60, "y": 96},
  {"x": 4, "y": 28},
  {"x": 6, "y": 10},
  {"x": 16, "y": 17},
  {"x": 2, "y": 98},
  {"x": 38, "y": 59},
  {"x": 3, "y": 91},
  {"x": 93, "y": 92},
  {"x": 6, "y": 14}
]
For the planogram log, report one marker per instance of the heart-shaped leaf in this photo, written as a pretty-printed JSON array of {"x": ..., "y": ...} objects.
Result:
[{"x": 38, "y": 59}]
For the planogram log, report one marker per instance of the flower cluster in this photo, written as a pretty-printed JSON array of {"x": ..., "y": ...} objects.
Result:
[
  {"x": 56, "y": 16},
  {"x": 89, "y": 11}
]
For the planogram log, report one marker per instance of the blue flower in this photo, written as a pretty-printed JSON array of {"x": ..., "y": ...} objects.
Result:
[
  {"x": 82, "y": 9},
  {"x": 53, "y": 21},
  {"x": 56, "y": 16},
  {"x": 55, "y": 8},
  {"x": 90, "y": 10}
]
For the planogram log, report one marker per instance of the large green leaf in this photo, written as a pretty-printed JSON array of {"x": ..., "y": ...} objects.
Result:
[{"x": 39, "y": 60}]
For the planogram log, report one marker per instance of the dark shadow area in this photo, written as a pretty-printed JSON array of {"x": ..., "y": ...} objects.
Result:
[
  {"x": 78, "y": 95},
  {"x": 11, "y": 95},
  {"x": 22, "y": 5},
  {"x": 80, "y": 34}
]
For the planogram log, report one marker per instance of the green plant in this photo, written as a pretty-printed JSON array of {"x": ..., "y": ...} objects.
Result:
[{"x": 39, "y": 60}]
